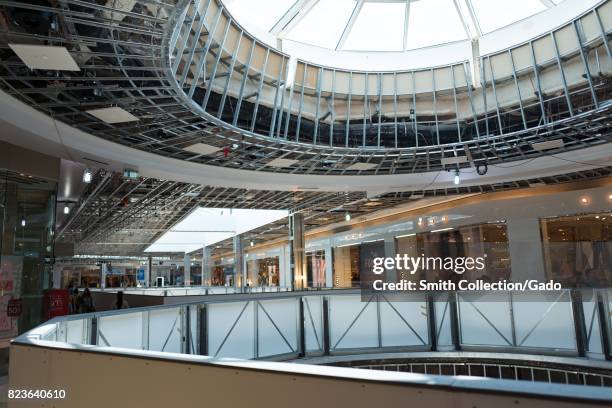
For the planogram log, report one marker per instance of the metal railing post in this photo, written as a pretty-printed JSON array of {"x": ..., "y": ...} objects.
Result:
[
  {"x": 302, "y": 330},
  {"x": 187, "y": 330},
  {"x": 579, "y": 323},
  {"x": 326, "y": 334},
  {"x": 93, "y": 334},
  {"x": 203, "y": 330},
  {"x": 604, "y": 325},
  {"x": 431, "y": 322},
  {"x": 454, "y": 320}
]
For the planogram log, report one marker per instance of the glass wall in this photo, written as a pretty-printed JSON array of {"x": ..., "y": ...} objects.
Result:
[
  {"x": 26, "y": 248},
  {"x": 315, "y": 269},
  {"x": 263, "y": 272},
  {"x": 346, "y": 266},
  {"x": 488, "y": 240},
  {"x": 578, "y": 249}
]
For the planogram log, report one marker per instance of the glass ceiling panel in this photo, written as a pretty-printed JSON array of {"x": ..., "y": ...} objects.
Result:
[
  {"x": 329, "y": 18},
  {"x": 261, "y": 14},
  {"x": 379, "y": 27},
  {"x": 207, "y": 226},
  {"x": 424, "y": 31},
  {"x": 496, "y": 14}
]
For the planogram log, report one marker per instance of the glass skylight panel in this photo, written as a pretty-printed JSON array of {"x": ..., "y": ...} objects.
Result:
[
  {"x": 208, "y": 226},
  {"x": 379, "y": 27},
  {"x": 261, "y": 14},
  {"x": 324, "y": 24},
  {"x": 496, "y": 14},
  {"x": 433, "y": 22}
]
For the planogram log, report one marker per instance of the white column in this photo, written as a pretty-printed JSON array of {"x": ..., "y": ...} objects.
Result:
[
  {"x": 525, "y": 246},
  {"x": 186, "y": 270},
  {"x": 390, "y": 253},
  {"x": 103, "y": 270},
  {"x": 329, "y": 266}
]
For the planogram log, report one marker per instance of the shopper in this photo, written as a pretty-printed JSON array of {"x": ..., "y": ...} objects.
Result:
[
  {"x": 120, "y": 302},
  {"x": 85, "y": 302}
]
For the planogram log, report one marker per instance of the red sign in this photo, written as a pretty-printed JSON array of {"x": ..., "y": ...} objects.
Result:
[
  {"x": 14, "y": 308},
  {"x": 55, "y": 303}
]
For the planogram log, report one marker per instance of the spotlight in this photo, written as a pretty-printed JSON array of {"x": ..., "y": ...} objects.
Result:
[
  {"x": 457, "y": 180},
  {"x": 610, "y": 196},
  {"x": 252, "y": 243},
  {"x": 87, "y": 177},
  {"x": 347, "y": 216},
  {"x": 66, "y": 210},
  {"x": 23, "y": 222},
  {"x": 585, "y": 200}
]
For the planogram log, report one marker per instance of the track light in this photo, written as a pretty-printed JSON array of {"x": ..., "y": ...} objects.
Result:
[
  {"x": 347, "y": 216},
  {"x": 87, "y": 176},
  {"x": 457, "y": 180},
  {"x": 66, "y": 210},
  {"x": 23, "y": 221}
]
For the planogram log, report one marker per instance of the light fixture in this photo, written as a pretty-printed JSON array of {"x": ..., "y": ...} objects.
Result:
[
  {"x": 347, "y": 216},
  {"x": 87, "y": 176},
  {"x": 457, "y": 180},
  {"x": 66, "y": 209},
  {"x": 585, "y": 200},
  {"x": 252, "y": 243},
  {"x": 23, "y": 221},
  {"x": 112, "y": 115}
]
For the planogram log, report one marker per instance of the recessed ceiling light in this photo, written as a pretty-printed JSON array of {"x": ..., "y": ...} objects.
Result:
[
  {"x": 114, "y": 114},
  {"x": 550, "y": 144},
  {"x": 361, "y": 166},
  {"x": 45, "y": 57},
  {"x": 281, "y": 163},
  {"x": 202, "y": 148}
]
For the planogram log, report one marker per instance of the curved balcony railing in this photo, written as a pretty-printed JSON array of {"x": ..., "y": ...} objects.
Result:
[
  {"x": 529, "y": 93},
  {"x": 288, "y": 326}
]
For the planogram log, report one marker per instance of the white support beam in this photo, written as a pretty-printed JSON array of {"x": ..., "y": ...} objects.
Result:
[
  {"x": 292, "y": 17},
  {"x": 349, "y": 24},
  {"x": 548, "y": 3},
  {"x": 406, "y": 20}
]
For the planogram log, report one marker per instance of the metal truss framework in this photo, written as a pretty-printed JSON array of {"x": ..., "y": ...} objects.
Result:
[
  {"x": 123, "y": 217},
  {"x": 157, "y": 60}
]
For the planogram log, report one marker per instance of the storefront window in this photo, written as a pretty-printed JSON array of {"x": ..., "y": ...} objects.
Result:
[
  {"x": 26, "y": 247},
  {"x": 315, "y": 269},
  {"x": 489, "y": 241},
  {"x": 578, "y": 249},
  {"x": 346, "y": 266},
  {"x": 263, "y": 272}
]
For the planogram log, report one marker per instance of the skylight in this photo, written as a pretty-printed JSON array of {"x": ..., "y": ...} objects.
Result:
[
  {"x": 380, "y": 25},
  {"x": 208, "y": 226}
]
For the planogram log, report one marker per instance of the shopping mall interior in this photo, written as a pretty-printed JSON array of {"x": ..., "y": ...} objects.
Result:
[{"x": 198, "y": 197}]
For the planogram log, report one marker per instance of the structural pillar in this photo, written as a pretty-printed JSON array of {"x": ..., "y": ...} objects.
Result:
[
  {"x": 525, "y": 245},
  {"x": 103, "y": 270},
  {"x": 206, "y": 267},
  {"x": 238, "y": 262},
  {"x": 297, "y": 254},
  {"x": 391, "y": 274},
  {"x": 148, "y": 272},
  {"x": 329, "y": 266},
  {"x": 186, "y": 270}
]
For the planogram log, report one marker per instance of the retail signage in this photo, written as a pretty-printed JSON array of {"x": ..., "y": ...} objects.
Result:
[
  {"x": 140, "y": 275},
  {"x": 14, "y": 307}
]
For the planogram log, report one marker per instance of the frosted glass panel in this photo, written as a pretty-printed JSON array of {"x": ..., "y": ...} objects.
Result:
[
  {"x": 313, "y": 323},
  {"x": 352, "y": 323},
  {"x": 403, "y": 323},
  {"x": 484, "y": 321},
  {"x": 277, "y": 327},
  {"x": 122, "y": 330},
  {"x": 443, "y": 326},
  {"x": 547, "y": 324},
  {"x": 591, "y": 321},
  {"x": 231, "y": 330},
  {"x": 75, "y": 331},
  {"x": 165, "y": 330}
]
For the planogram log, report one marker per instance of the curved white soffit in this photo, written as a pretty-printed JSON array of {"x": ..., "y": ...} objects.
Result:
[{"x": 23, "y": 125}]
